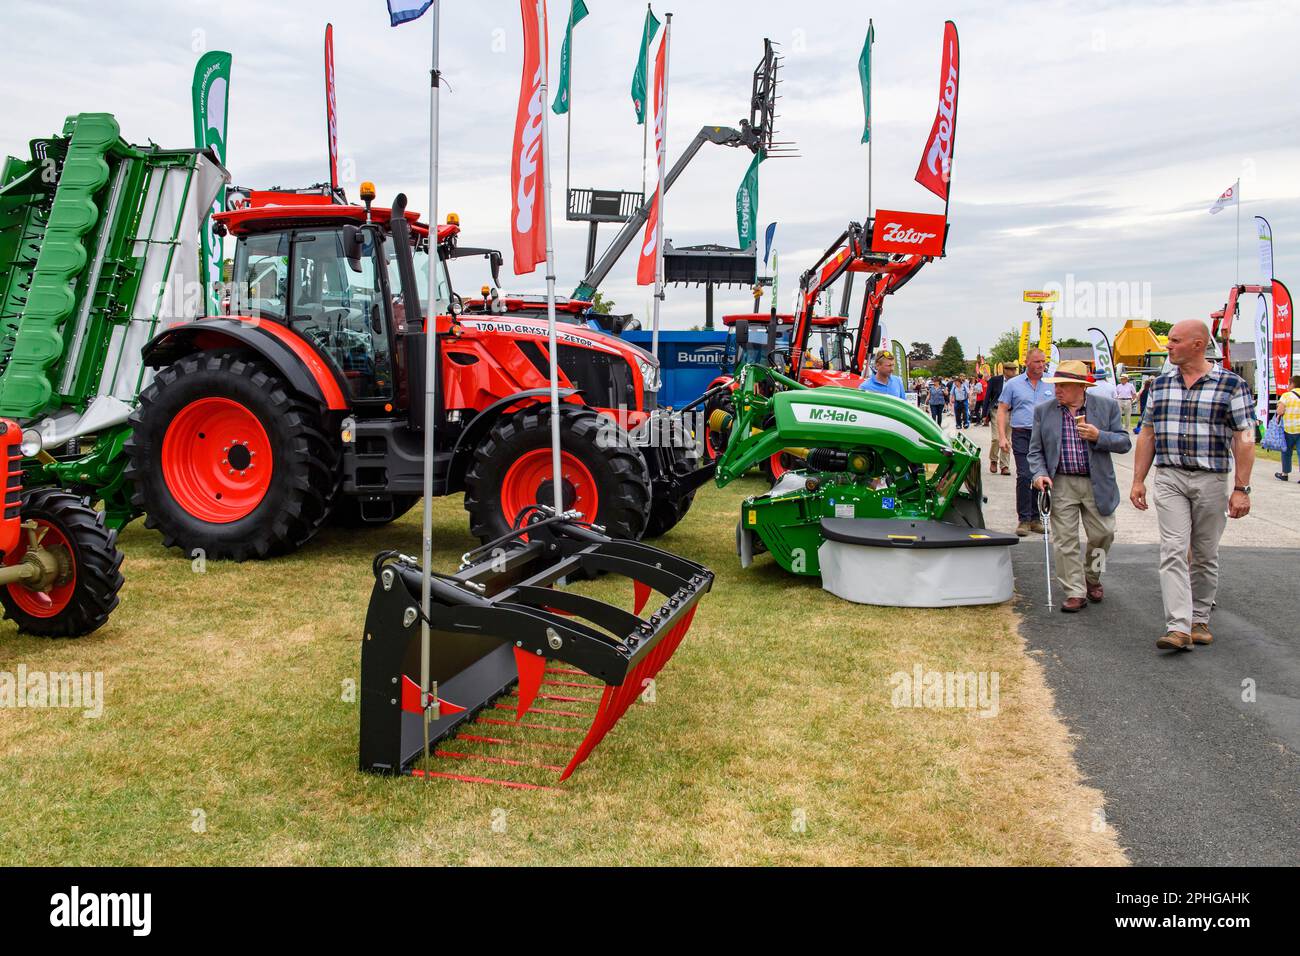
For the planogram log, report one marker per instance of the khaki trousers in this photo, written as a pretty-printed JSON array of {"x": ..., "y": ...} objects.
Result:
[
  {"x": 1074, "y": 510},
  {"x": 1191, "y": 512},
  {"x": 996, "y": 455},
  {"x": 1126, "y": 412}
]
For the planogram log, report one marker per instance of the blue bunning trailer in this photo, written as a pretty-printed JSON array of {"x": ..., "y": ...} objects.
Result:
[{"x": 689, "y": 361}]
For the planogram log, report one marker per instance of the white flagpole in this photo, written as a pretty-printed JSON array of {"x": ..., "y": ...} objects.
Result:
[
  {"x": 556, "y": 474},
  {"x": 661, "y": 153},
  {"x": 871, "y": 133},
  {"x": 1238, "y": 282},
  {"x": 428, "y": 691},
  {"x": 568, "y": 111}
]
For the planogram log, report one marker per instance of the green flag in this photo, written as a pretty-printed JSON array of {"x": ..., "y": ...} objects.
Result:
[
  {"x": 211, "y": 94},
  {"x": 576, "y": 12},
  {"x": 639, "y": 77},
  {"x": 864, "y": 73},
  {"x": 747, "y": 204}
]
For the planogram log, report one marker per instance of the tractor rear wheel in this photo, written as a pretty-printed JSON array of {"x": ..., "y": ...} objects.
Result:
[
  {"x": 604, "y": 476},
  {"x": 225, "y": 458},
  {"x": 82, "y": 592}
]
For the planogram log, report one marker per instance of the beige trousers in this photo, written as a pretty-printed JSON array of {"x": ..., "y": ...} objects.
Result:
[
  {"x": 1126, "y": 412},
  {"x": 996, "y": 455},
  {"x": 1081, "y": 535},
  {"x": 1191, "y": 512}
]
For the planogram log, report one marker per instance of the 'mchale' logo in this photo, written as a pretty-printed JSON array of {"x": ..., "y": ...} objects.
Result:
[
  {"x": 134, "y": 910},
  {"x": 826, "y": 414}
]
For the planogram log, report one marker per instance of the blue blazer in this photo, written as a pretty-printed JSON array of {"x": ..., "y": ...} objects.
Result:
[{"x": 1045, "y": 445}]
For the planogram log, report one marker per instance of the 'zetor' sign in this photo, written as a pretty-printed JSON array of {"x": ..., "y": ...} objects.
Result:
[{"x": 910, "y": 233}]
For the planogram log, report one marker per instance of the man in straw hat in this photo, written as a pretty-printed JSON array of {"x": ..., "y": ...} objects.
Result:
[{"x": 1073, "y": 437}]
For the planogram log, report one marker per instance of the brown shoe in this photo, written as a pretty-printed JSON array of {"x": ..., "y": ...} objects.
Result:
[
  {"x": 1201, "y": 634},
  {"x": 1035, "y": 527},
  {"x": 1175, "y": 641},
  {"x": 1006, "y": 471},
  {"x": 1022, "y": 529},
  {"x": 1095, "y": 594},
  {"x": 1073, "y": 605},
  {"x": 993, "y": 468}
]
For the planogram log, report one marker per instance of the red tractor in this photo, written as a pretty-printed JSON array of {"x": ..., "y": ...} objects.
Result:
[
  {"x": 60, "y": 568},
  {"x": 306, "y": 401}
]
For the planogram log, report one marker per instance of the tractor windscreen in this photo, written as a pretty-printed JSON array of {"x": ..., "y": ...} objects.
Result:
[{"x": 420, "y": 260}]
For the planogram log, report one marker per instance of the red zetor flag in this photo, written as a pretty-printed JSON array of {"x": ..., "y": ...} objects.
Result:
[
  {"x": 331, "y": 107},
  {"x": 936, "y": 162},
  {"x": 645, "y": 268},
  {"x": 527, "y": 222},
  {"x": 1283, "y": 323}
]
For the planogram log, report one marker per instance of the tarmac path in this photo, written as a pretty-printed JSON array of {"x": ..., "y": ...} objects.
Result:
[{"x": 1197, "y": 753}]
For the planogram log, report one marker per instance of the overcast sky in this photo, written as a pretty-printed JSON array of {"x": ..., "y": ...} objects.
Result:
[{"x": 1091, "y": 139}]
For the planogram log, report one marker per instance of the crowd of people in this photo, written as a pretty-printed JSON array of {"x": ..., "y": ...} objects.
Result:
[{"x": 970, "y": 399}]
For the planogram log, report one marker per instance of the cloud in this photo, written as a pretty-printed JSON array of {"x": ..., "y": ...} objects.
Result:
[{"x": 1091, "y": 139}]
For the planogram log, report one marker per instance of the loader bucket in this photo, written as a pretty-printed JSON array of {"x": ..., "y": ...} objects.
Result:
[{"x": 526, "y": 668}]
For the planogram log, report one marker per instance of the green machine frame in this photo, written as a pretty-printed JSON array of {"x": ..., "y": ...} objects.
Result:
[
  {"x": 98, "y": 252},
  {"x": 865, "y": 455}
]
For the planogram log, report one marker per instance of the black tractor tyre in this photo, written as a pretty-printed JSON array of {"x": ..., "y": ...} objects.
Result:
[
  {"x": 304, "y": 470},
  {"x": 681, "y": 456},
  {"x": 93, "y": 567},
  {"x": 622, "y": 483},
  {"x": 346, "y": 511}
]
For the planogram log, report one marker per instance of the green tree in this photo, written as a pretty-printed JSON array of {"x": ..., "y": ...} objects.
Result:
[
  {"x": 600, "y": 304},
  {"x": 1161, "y": 328},
  {"x": 952, "y": 360},
  {"x": 1072, "y": 344},
  {"x": 921, "y": 352},
  {"x": 1005, "y": 349}
]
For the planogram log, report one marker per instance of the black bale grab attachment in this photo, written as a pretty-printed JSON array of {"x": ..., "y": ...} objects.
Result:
[{"x": 500, "y": 627}]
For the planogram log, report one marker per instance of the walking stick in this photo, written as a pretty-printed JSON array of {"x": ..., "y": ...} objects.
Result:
[{"x": 1045, "y": 517}]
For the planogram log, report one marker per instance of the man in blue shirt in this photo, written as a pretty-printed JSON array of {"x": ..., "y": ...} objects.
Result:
[
  {"x": 1016, "y": 426},
  {"x": 884, "y": 380}
]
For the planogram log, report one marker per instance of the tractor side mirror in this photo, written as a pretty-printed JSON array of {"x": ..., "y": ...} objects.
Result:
[
  {"x": 742, "y": 333},
  {"x": 495, "y": 259},
  {"x": 353, "y": 242}
]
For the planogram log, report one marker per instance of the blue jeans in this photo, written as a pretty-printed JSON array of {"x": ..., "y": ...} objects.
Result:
[{"x": 1292, "y": 445}]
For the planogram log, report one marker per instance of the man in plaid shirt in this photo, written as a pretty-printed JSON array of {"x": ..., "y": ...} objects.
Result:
[{"x": 1199, "y": 425}]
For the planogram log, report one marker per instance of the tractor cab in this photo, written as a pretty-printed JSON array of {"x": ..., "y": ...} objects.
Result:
[{"x": 751, "y": 340}]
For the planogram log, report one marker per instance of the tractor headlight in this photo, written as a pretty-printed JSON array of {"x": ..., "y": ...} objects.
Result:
[
  {"x": 650, "y": 375},
  {"x": 31, "y": 445}
]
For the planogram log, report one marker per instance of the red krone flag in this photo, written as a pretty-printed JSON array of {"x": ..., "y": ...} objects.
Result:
[
  {"x": 936, "y": 162},
  {"x": 527, "y": 222},
  {"x": 331, "y": 108},
  {"x": 645, "y": 268},
  {"x": 1282, "y": 342}
]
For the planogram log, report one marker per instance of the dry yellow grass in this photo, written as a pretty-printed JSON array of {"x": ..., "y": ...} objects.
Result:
[{"x": 773, "y": 739}]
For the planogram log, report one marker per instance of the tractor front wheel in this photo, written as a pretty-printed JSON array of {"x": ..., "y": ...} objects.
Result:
[
  {"x": 225, "y": 458},
  {"x": 79, "y": 591},
  {"x": 603, "y": 476}
]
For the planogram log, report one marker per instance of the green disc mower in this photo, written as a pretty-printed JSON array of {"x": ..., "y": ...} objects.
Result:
[{"x": 874, "y": 477}]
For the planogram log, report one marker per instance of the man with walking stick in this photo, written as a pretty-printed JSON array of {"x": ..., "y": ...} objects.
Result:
[{"x": 1069, "y": 455}]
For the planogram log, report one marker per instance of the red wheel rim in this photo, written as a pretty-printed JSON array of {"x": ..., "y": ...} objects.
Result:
[
  {"x": 216, "y": 460},
  {"x": 524, "y": 483},
  {"x": 777, "y": 465},
  {"x": 52, "y": 602}
]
